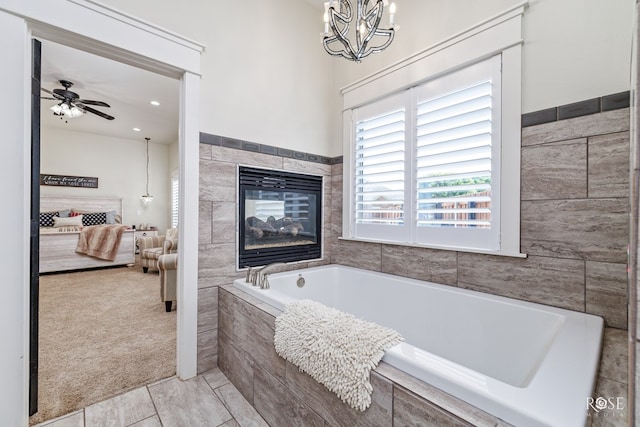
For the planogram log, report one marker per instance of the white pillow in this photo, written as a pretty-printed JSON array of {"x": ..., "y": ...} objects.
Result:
[{"x": 63, "y": 222}]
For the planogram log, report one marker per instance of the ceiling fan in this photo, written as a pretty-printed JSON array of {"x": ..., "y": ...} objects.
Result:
[{"x": 70, "y": 105}]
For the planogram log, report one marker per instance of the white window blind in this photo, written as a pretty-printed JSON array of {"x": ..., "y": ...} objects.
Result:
[
  {"x": 174, "y": 200},
  {"x": 380, "y": 169},
  {"x": 453, "y": 158},
  {"x": 379, "y": 200},
  {"x": 426, "y": 162}
]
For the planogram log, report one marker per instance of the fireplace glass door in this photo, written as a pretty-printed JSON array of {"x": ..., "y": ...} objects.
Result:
[{"x": 280, "y": 216}]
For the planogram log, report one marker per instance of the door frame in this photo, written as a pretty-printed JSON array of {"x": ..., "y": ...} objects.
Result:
[{"x": 109, "y": 33}]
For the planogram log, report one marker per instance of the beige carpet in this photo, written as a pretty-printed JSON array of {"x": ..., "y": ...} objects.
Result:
[{"x": 102, "y": 332}]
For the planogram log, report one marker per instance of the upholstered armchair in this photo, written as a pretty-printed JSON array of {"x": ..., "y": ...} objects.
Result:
[
  {"x": 151, "y": 247},
  {"x": 168, "y": 266}
]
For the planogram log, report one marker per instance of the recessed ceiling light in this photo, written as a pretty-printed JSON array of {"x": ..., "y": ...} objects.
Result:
[
  {"x": 155, "y": 103},
  {"x": 136, "y": 129}
]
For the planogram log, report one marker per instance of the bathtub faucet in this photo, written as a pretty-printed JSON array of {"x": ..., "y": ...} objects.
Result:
[
  {"x": 251, "y": 275},
  {"x": 261, "y": 275}
]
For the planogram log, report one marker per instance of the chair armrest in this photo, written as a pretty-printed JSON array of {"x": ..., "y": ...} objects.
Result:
[
  {"x": 149, "y": 242},
  {"x": 170, "y": 246},
  {"x": 168, "y": 262}
]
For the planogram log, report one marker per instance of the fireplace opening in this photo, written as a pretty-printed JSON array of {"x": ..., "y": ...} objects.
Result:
[{"x": 280, "y": 216}]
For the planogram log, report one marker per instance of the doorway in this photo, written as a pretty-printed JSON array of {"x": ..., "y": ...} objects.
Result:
[
  {"x": 110, "y": 357},
  {"x": 107, "y": 33}
]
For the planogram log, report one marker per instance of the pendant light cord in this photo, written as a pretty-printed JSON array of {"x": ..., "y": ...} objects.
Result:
[{"x": 147, "y": 187}]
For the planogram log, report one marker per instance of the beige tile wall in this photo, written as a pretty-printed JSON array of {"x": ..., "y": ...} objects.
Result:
[
  {"x": 218, "y": 230},
  {"x": 574, "y": 225},
  {"x": 283, "y": 395}
]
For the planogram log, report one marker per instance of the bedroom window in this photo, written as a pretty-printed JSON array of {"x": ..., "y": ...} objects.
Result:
[{"x": 175, "y": 202}]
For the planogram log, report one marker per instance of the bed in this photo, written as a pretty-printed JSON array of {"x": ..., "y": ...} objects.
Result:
[{"x": 58, "y": 243}]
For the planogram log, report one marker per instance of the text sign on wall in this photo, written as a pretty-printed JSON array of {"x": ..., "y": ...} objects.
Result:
[{"x": 69, "y": 181}]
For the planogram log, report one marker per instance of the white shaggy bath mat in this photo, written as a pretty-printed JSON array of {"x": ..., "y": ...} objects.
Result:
[{"x": 336, "y": 349}]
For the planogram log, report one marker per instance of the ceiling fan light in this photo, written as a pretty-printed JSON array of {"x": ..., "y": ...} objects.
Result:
[
  {"x": 75, "y": 112},
  {"x": 56, "y": 109},
  {"x": 64, "y": 107}
]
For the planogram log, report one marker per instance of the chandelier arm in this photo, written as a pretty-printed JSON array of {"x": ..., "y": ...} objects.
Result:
[
  {"x": 326, "y": 42},
  {"x": 340, "y": 36},
  {"x": 367, "y": 22},
  {"x": 348, "y": 12},
  {"x": 377, "y": 49},
  {"x": 376, "y": 15},
  {"x": 374, "y": 10}
]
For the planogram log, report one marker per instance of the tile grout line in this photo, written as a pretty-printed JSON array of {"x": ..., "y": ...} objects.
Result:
[{"x": 155, "y": 408}]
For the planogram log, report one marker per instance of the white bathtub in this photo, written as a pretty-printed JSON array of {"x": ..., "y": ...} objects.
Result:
[{"x": 528, "y": 364}]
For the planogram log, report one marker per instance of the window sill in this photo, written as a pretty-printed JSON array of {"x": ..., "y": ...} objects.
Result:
[{"x": 443, "y": 248}]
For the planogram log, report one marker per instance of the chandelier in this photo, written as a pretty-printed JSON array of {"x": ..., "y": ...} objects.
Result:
[
  {"x": 368, "y": 39},
  {"x": 147, "y": 198}
]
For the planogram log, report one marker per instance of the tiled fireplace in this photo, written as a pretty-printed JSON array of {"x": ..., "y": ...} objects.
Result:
[{"x": 280, "y": 216}]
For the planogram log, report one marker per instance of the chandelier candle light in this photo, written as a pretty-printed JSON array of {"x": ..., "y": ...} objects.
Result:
[
  {"x": 147, "y": 198},
  {"x": 338, "y": 17}
]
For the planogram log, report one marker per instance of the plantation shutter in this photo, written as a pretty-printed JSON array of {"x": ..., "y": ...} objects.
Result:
[
  {"x": 426, "y": 162},
  {"x": 174, "y": 200},
  {"x": 379, "y": 167},
  {"x": 453, "y": 158}
]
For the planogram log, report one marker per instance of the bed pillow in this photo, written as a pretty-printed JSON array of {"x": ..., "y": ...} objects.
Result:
[
  {"x": 64, "y": 213},
  {"x": 46, "y": 218},
  {"x": 112, "y": 217},
  {"x": 64, "y": 222},
  {"x": 95, "y": 218}
]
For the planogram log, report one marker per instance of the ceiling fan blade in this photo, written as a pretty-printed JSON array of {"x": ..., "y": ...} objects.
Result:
[
  {"x": 49, "y": 98},
  {"x": 96, "y": 112},
  {"x": 89, "y": 102},
  {"x": 56, "y": 96},
  {"x": 60, "y": 92}
]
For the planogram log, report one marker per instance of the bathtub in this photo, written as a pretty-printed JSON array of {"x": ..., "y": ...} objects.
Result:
[{"x": 528, "y": 364}]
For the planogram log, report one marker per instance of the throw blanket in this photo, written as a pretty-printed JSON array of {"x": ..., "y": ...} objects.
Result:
[
  {"x": 100, "y": 241},
  {"x": 336, "y": 349}
]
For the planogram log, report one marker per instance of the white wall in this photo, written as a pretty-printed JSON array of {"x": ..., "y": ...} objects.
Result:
[
  {"x": 267, "y": 79},
  {"x": 265, "y": 76},
  {"x": 119, "y": 165},
  {"x": 174, "y": 157},
  {"x": 573, "y": 49},
  {"x": 15, "y": 215}
]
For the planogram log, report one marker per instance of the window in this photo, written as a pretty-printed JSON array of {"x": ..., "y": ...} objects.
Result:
[
  {"x": 432, "y": 144},
  {"x": 175, "y": 201},
  {"x": 379, "y": 169},
  {"x": 426, "y": 161}
]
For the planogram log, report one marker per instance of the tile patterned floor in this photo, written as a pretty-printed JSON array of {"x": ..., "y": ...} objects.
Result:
[{"x": 207, "y": 400}]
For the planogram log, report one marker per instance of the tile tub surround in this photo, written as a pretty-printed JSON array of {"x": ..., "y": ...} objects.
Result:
[
  {"x": 284, "y": 396},
  {"x": 219, "y": 159},
  {"x": 574, "y": 225},
  {"x": 574, "y": 221},
  {"x": 578, "y": 261}
]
